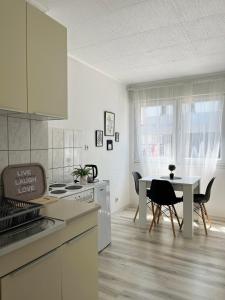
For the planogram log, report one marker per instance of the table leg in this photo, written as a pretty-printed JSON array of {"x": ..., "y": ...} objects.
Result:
[
  {"x": 142, "y": 204},
  {"x": 197, "y": 188},
  {"x": 197, "y": 217},
  {"x": 188, "y": 211}
]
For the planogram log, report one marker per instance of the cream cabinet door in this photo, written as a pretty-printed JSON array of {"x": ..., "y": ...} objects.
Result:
[
  {"x": 80, "y": 267},
  {"x": 46, "y": 65},
  {"x": 39, "y": 280},
  {"x": 13, "y": 91}
]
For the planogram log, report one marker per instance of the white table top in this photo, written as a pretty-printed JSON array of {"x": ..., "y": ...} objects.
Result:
[{"x": 188, "y": 180}]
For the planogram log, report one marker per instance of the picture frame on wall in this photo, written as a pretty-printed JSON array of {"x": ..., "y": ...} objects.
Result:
[
  {"x": 109, "y": 123},
  {"x": 117, "y": 137},
  {"x": 99, "y": 138},
  {"x": 109, "y": 144}
]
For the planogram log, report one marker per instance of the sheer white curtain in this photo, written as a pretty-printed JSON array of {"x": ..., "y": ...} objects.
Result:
[{"x": 181, "y": 124}]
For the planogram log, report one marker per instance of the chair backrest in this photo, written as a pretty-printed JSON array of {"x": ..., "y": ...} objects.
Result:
[
  {"x": 136, "y": 176},
  {"x": 208, "y": 189},
  {"x": 162, "y": 192}
]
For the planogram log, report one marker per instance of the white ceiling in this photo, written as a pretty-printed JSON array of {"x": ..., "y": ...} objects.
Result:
[{"x": 137, "y": 40}]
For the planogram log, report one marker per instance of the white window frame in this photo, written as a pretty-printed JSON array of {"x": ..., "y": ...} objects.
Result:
[{"x": 220, "y": 161}]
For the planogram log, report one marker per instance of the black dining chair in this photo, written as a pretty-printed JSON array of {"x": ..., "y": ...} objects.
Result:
[
  {"x": 163, "y": 195},
  {"x": 200, "y": 200},
  {"x": 137, "y": 176}
]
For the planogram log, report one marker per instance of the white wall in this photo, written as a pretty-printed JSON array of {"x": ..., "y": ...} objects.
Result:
[
  {"x": 216, "y": 205},
  {"x": 90, "y": 93}
]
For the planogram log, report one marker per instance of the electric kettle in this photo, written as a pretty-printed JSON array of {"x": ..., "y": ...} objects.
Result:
[{"x": 94, "y": 173}]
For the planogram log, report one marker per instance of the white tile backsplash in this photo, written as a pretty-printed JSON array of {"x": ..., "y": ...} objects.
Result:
[
  {"x": 41, "y": 157},
  {"x": 19, "y": 157},
  {"x": 50, "y": 158},
  {"x": 57, "y": 175},
  {"x": 67, "y": 177},
  {"x": 3, "y": 160},
  {"x": 50, "y": 178},
  {"x": 65, "y": 152},
  {"x": 39, "y": 138},
  {"x": 3, "y": 133},
  {"x": 68, "y": 157},
  {"x": 58, "y": 140},
  {"x": 68, "y": 138},
  {"x": 58, "y": 158},
  {"x": 50, "y": 137},
  {"x": 19, "y": 134},
  {"x": 77, "y": 156}
]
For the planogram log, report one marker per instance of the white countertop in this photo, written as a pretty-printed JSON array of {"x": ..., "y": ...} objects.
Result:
[{"x": 69, "y": 210}]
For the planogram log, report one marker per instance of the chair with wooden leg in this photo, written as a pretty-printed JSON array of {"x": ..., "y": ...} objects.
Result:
[
  {"x": 200, "y": 200},
  {"x": 137, "y": 176},
  {"x": 164, "y": 197}
]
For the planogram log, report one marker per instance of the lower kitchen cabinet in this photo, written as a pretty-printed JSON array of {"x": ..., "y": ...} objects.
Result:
[
  {"x": 38, "y": 280},
  {"x": 80, "y": 267}
]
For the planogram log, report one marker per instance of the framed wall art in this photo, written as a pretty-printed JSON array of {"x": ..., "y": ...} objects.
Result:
[
  {"x": 109, "y": 123},
  {"x": 117, "y": 136},
  {"x": 109, "y": 145},
  {"x": 99, "y": 138}
]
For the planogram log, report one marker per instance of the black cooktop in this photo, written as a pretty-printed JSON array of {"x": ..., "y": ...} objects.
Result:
[
  {"x": 57, "y": 192},
  {"x": 57, "y": 185}
]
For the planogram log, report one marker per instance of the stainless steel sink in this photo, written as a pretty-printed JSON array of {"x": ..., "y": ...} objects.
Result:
[{"x": 28, "y": 230}]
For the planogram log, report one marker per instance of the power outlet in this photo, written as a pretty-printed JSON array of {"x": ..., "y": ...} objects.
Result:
[{"x": 116, "y": 199}]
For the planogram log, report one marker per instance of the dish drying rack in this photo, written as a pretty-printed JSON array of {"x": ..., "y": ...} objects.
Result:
[{"x": 14, "y": 213}]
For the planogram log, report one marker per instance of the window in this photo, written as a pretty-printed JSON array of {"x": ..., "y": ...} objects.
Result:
[
  {"x": 157, "y": 130},
  {"x": 176, "y": 130},
  {"x": 203, "y": 129}
]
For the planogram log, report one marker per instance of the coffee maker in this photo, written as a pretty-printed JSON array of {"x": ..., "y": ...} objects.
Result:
[{"x": 93, "y": 175}]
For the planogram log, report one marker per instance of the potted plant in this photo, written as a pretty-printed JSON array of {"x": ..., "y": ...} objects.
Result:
[
  {"x": 82, "y": 173},
  {"x": 172, "y": 168}
]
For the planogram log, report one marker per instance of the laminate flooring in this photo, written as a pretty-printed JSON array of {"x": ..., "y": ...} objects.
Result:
[{"x": 142, "y": 266}]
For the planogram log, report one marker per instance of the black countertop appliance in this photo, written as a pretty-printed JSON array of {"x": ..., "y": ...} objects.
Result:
[{"x": 94, "y": 173}]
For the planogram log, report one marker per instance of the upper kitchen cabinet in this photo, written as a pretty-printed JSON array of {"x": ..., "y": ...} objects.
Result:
[
  {"x": 13, "y": 91},
  {"x": 46, "y": 65}
]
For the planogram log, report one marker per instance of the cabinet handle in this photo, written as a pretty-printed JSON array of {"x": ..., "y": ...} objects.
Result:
[
  {"x": 101, "y": 190},
  {"x": 33, "y": 263},
  {"x": 78, "y": 237}
]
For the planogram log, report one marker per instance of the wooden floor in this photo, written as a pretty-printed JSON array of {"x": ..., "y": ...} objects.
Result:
[{"x": 140, "y": 266}]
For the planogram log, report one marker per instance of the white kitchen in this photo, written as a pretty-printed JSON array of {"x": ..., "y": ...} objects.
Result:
[{"x": 112, "y": 149}]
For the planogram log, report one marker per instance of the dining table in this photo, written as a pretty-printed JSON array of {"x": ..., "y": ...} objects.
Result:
[{"x": 189, "y": 185}]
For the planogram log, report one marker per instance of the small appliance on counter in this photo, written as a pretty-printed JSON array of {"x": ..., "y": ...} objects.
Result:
[{"x": 94, "y": 173}]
